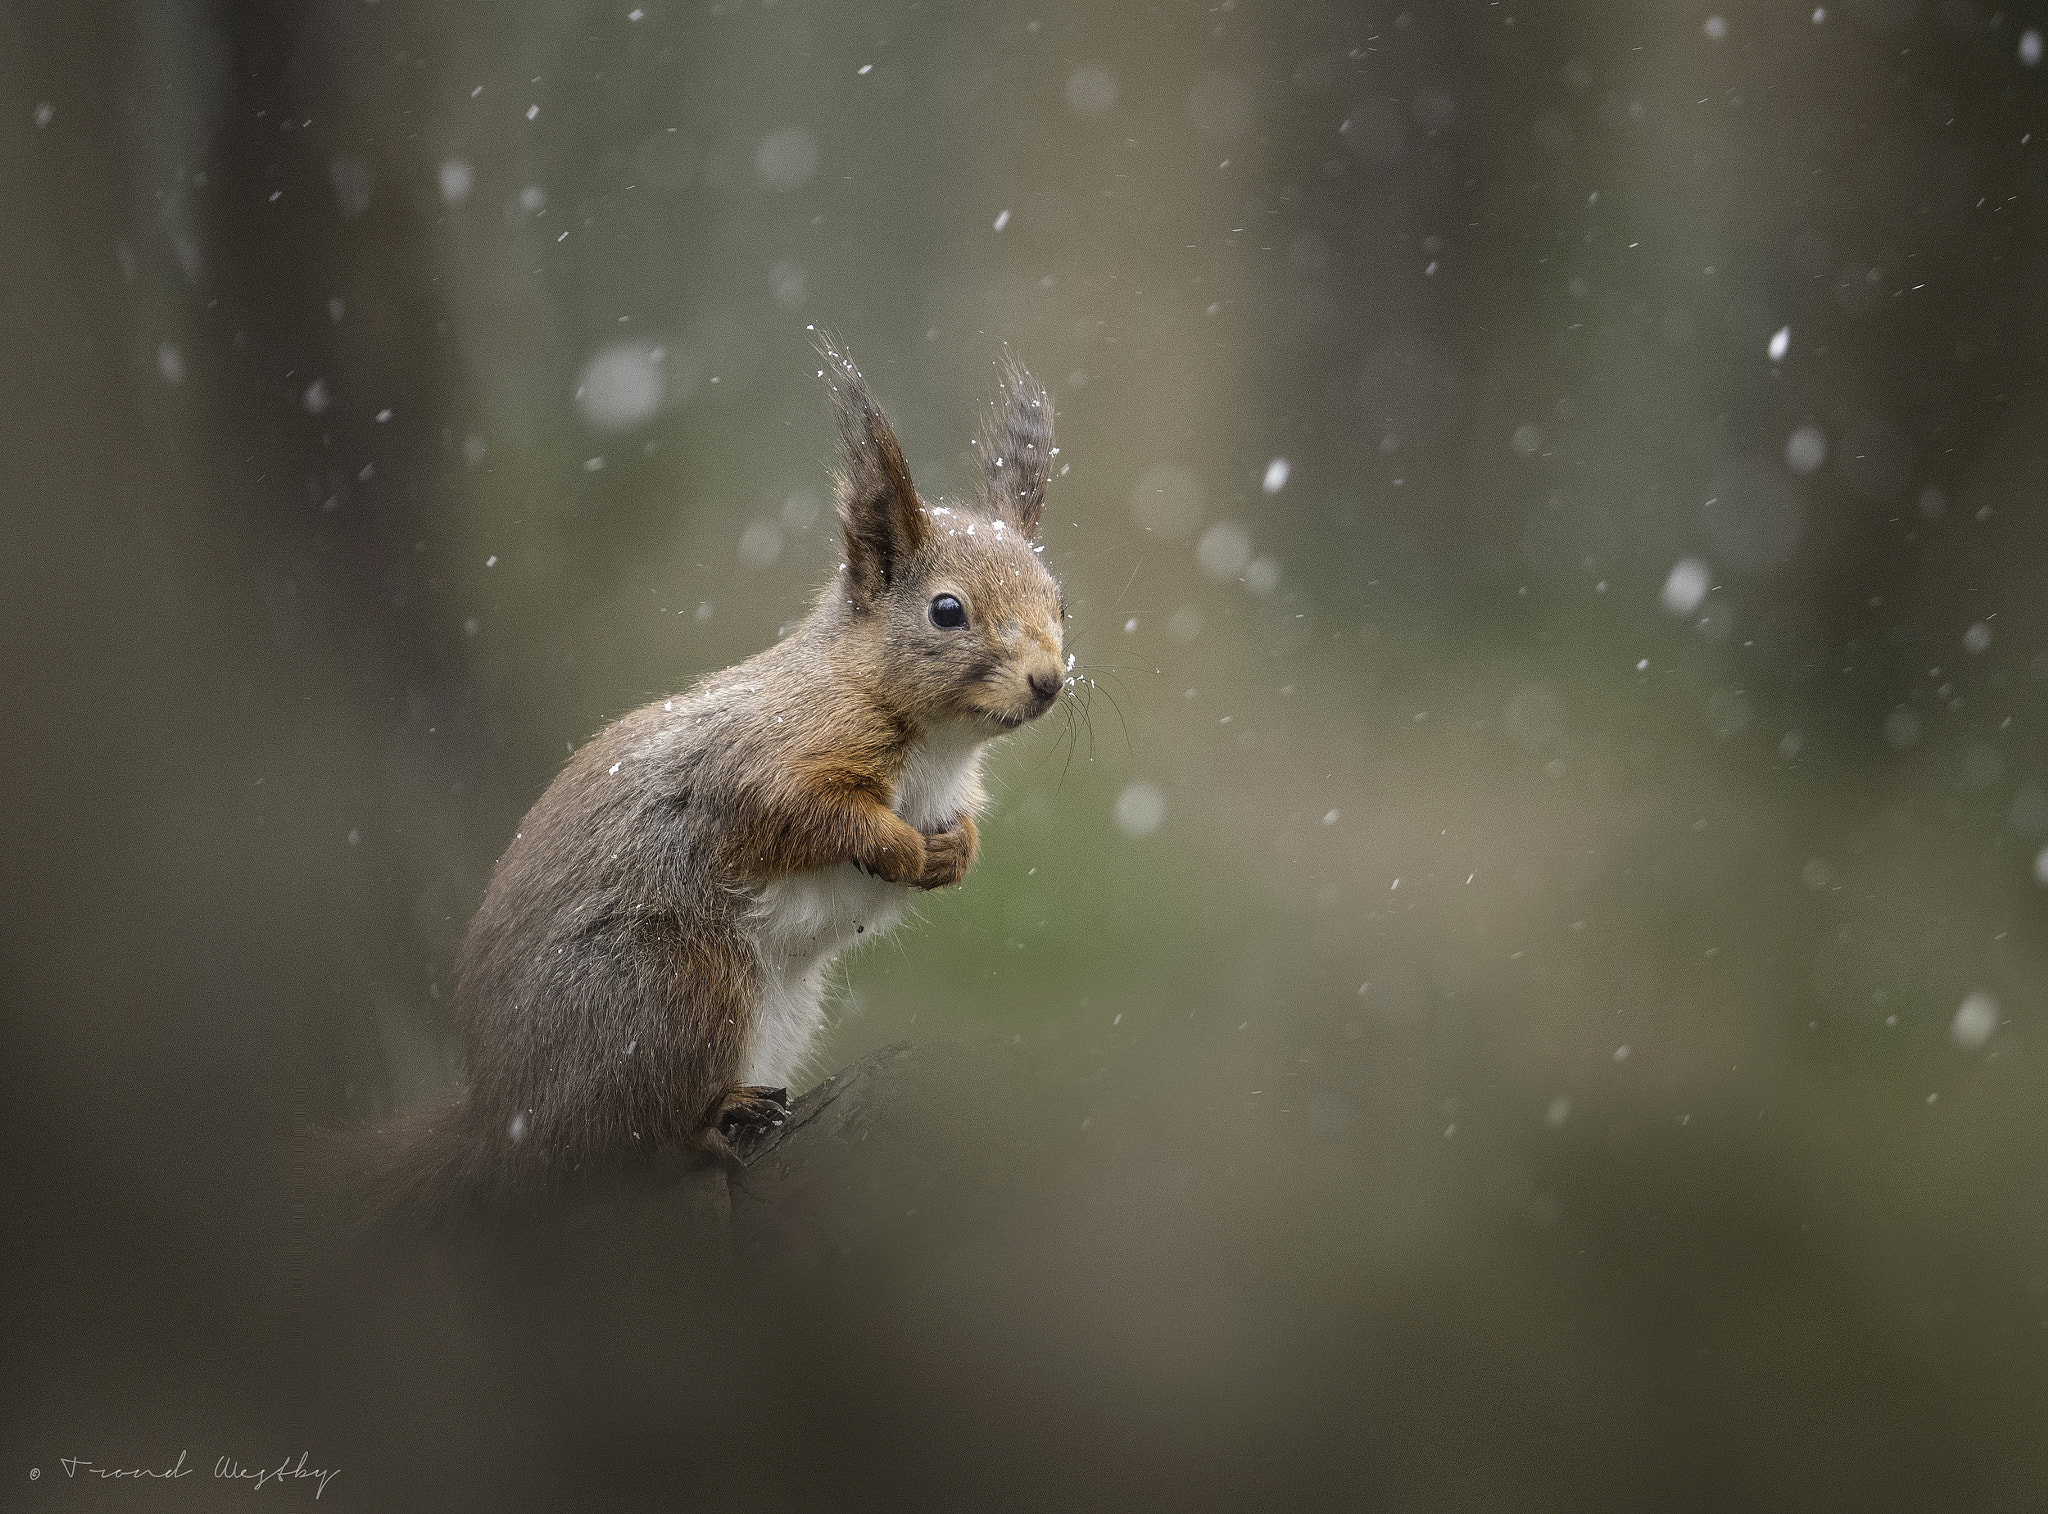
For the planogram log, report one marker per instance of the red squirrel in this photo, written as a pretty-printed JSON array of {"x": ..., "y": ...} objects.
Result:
[{"x": 647, "y": 970}]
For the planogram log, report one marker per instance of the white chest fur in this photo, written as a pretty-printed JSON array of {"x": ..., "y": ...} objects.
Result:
[
  {"x": 942, "y": 780},
  {"x": 802, "y": 923}
]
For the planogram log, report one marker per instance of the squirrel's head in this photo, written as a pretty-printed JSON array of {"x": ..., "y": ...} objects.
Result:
[{"x": 949, "y": 611}]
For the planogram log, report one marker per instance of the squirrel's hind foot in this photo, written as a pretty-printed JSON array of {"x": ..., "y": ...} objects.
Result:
[{"x": 746, "y": 1115}]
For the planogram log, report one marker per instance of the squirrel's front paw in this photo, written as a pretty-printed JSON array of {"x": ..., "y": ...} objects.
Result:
[{"x": 949, "y": 854}]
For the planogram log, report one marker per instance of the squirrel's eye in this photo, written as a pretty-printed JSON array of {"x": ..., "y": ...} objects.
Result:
[{"x": 948, "y": 614}]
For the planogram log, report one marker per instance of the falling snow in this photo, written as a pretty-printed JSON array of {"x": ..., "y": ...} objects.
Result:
[
  {"x": 621, "y": 385},
  {"x": 760, "y": 544},
  {"x": 786, "y": 159},
  {"x": 1975, "y": 1021},
  {"x": 1091, "y": 89},
  {"x": 1140, "y": 810},
  {"x": 1685, "y": 587},
  {"x": 1806, "y": 449},
  {"x": 1224, "y": 550}
]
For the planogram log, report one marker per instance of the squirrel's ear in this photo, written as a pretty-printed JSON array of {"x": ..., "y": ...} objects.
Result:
[
  {"x": 1017, "y": 450},
  {"x": 879, "y": 511}
]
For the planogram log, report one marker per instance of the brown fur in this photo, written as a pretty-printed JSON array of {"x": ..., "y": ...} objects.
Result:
[{"x": 609, "y": 982}]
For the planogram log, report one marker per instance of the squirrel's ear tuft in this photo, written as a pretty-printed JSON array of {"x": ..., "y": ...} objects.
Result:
[
  {"x": 879, "y": 511},
  {"x": 1017, "y": 450}
]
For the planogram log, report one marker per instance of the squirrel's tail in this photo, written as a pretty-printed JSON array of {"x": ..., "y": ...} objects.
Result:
[{"x": 420, "y": 1167}]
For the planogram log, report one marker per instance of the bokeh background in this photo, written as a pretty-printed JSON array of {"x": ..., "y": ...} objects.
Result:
[{"x": 1525, "y": 951}]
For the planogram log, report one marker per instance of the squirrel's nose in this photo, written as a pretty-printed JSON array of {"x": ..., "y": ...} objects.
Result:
[{"x": 1044, "y": 685}]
